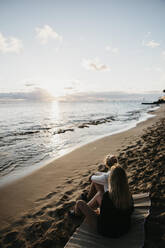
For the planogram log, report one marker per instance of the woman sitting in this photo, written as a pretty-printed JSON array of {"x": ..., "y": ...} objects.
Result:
[
  {"x": 116, "y": 206},
  {"x": 99, "y": 180}
]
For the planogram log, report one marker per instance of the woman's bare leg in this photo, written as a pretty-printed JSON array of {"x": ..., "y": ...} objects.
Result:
[
  {"x": 91, "y": 217},
  {"x": 92, "y": 191},
  {"x": 95, "y": 202},
  {"x": 94, "y": 188}
]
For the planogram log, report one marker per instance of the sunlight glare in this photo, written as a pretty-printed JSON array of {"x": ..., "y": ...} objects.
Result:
[{"x": 57, "y": 89}]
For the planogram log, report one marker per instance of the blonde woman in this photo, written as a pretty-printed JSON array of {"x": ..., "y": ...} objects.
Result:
[
  {"x": 99, "y": 181},
  {"x": 116, "y": 206}
]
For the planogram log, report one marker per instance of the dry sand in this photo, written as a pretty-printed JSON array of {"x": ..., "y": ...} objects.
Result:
[{"x": 33, "y": 210}]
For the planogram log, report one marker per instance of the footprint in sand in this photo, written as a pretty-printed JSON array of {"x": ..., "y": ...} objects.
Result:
[
  {"x": 83, "y": 185},
  {"x": 69, "y": 192},
  {"x": 56, "y": 213},
  {"x": 10, "y": 237},
  {"x": 19, "y": 222},
  {"x": 86, "y": 174},
  {"x": 63, "y": 198},
  {"x": 69, "y": 181},
  {"x": 47, "y": 206},
  {"x": 36, "y": 229},
  {"x": 49, "y": 196},
  {"x": 39, "y": 213},
  {"x": 60, "y": 211}
]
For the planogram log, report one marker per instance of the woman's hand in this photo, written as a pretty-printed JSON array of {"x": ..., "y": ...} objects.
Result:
[{"x": 97, "y": 211}]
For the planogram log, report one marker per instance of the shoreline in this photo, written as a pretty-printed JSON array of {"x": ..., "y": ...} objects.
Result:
[
  {"x": 39, "y": 202},
  {"x": 14, "y": 176}
]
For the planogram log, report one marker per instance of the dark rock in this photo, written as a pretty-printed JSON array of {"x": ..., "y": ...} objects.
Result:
[
  {"x": 82, "y": 126},
  {"x": 63, "y": 130}
]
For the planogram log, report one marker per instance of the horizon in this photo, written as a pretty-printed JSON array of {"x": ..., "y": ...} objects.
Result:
[
  {"x": 40, "y": 95},
  {"x": 72, "y": 47}
]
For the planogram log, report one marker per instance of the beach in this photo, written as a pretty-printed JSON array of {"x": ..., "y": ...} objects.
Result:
[{"x": 33, "y": 209}]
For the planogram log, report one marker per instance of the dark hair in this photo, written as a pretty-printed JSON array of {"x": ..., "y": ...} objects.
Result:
[{"x": 110, "y": 160}]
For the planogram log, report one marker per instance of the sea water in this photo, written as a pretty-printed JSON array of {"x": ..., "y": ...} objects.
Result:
[{"x": 32, "y": 133}]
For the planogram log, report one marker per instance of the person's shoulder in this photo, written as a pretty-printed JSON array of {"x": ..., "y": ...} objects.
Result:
[{"x": 106, "y": 174}]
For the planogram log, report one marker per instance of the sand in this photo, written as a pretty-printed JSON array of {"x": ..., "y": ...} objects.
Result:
[{"x": 33, "y": 210}]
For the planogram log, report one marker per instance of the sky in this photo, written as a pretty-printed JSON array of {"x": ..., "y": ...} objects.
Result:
[{"x": 60, "y": 47}]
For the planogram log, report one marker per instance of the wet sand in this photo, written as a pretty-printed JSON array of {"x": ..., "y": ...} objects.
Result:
[{"x": 33, "y": 210}]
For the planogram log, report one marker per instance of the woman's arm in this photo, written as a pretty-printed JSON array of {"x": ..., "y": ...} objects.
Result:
[{"x": 100, "y": 179}]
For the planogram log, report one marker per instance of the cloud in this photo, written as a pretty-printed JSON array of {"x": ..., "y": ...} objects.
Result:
[
  {"x": 46, "y": 33},
  {"x": 149, "y": 43},
  {"x": 10, "y": 44},
  {"x": 69, "y": 88},
  {"x": 163, "y": 78},
  {"x": 94, "y": 64},
  {"x": 156, "y": 69},
  {"x": 37, "y": 94},
  {"x": 163, "y": 54},
  {"x": 148, "y": 34},
  {"x": 110, "y": 49},
  {"x": 30, "y": 84},
  {"x": 152, "y": 44},
  {"x": 71, "y": 85},
  {"x": 145, "y": 37}
]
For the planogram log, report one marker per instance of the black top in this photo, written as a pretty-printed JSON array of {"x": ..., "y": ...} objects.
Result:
[{"x": 113, "y": 222}]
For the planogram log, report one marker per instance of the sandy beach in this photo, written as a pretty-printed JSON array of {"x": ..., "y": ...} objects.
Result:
[{"x": 33, "y": 209}]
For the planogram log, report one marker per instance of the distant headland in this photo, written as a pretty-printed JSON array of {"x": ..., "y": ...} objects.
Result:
[{"x": 159, "y": 101}]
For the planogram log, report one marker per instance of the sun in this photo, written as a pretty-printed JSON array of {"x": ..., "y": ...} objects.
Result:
[
  {"x": 55, "y": 90},
  {"x": 60, "y": 88}
]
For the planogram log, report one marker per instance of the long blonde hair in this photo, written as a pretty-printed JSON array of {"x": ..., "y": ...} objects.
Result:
[{"x": 119, "y": 188}]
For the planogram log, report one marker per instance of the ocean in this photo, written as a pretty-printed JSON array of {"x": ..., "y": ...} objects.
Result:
[{"x": 33, "y": 133}]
